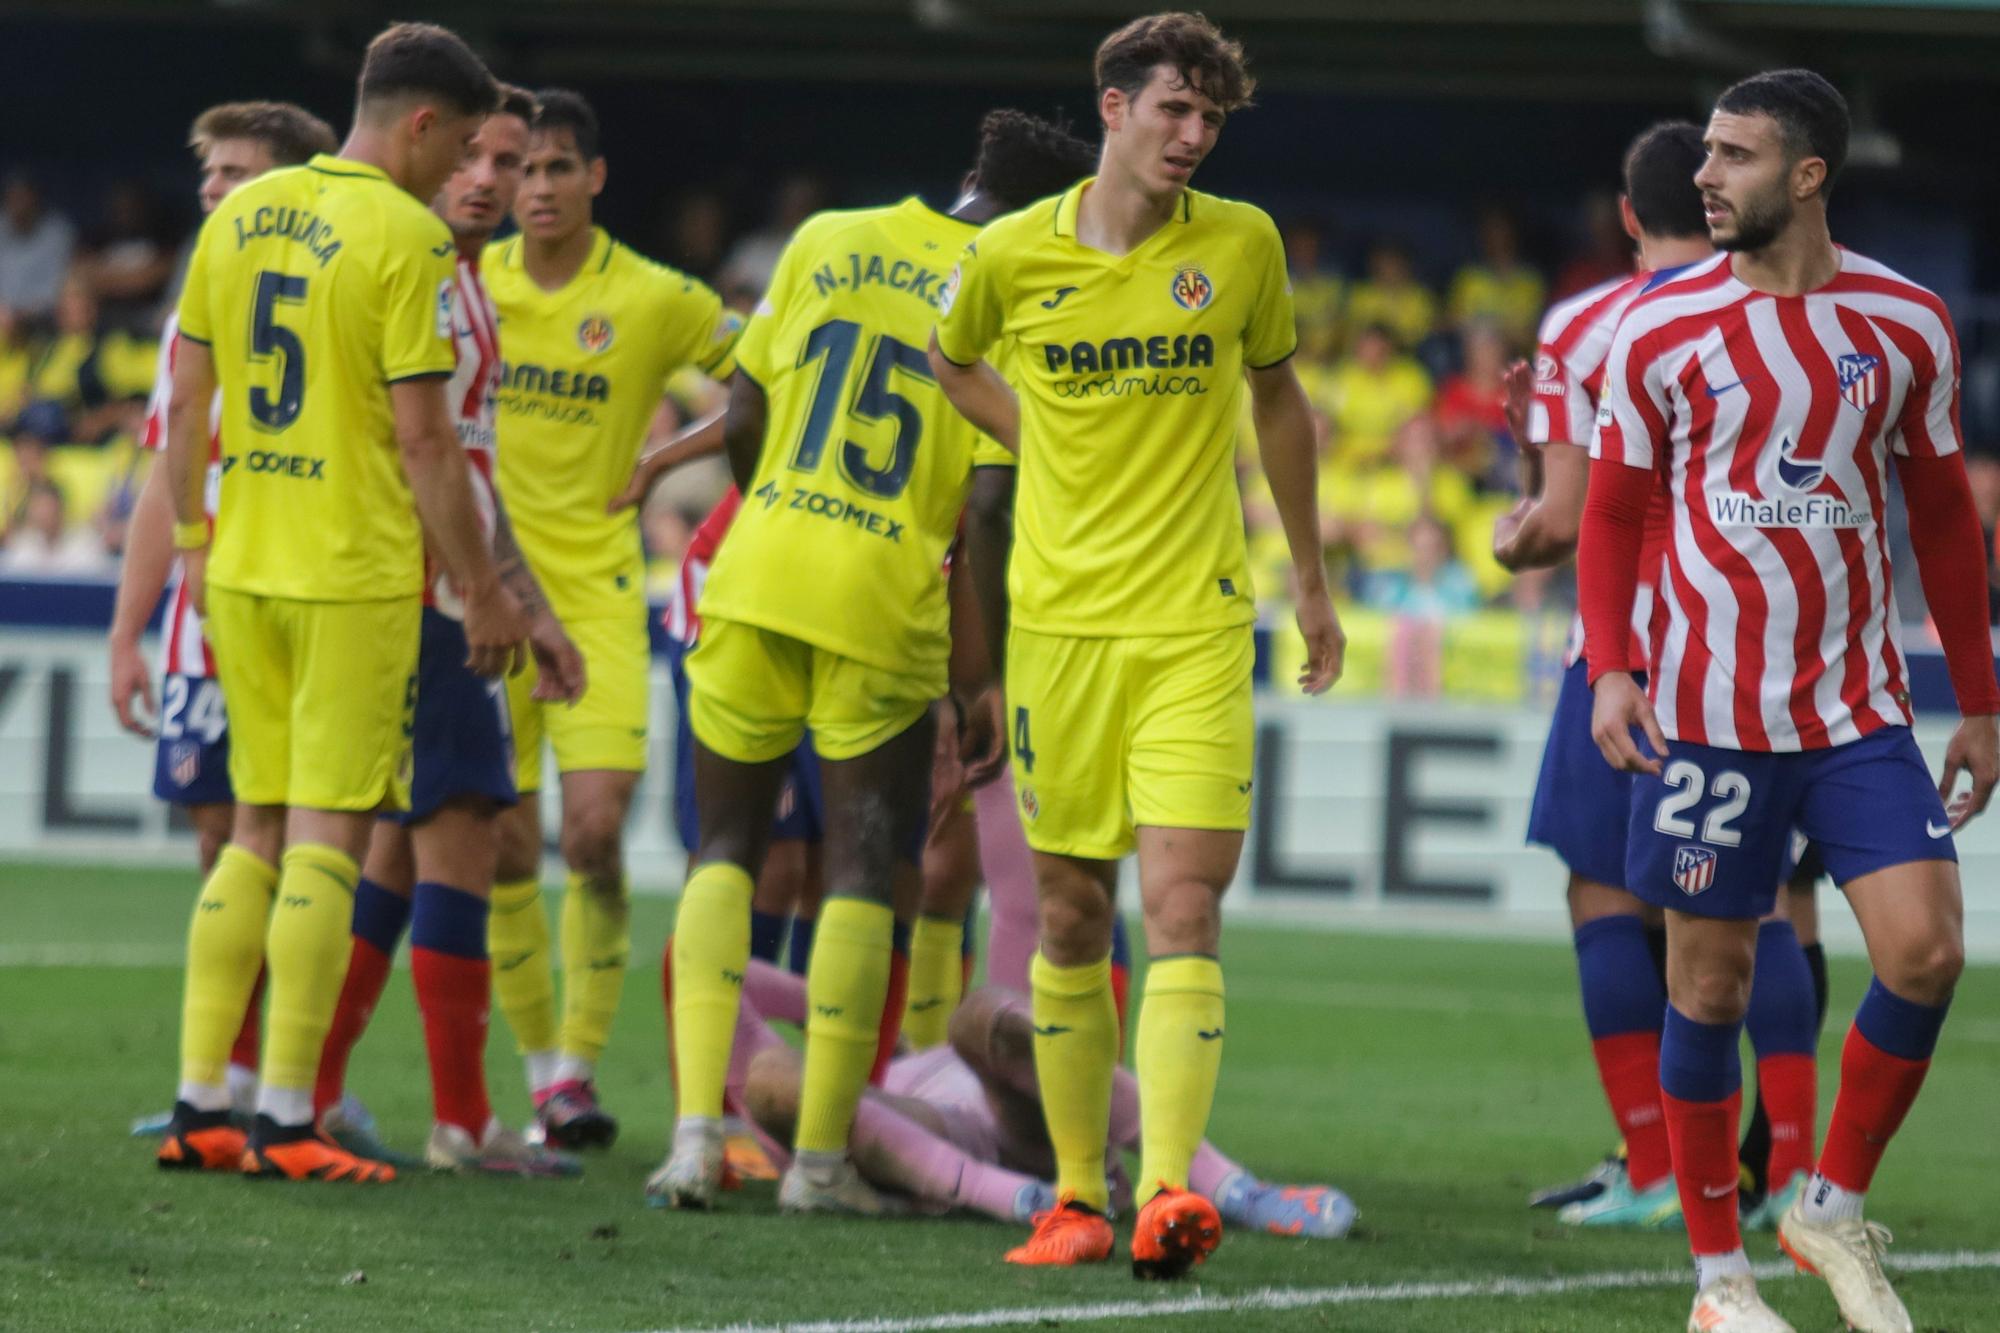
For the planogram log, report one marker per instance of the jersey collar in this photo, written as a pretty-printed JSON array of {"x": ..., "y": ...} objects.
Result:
[
  {"x": 329, "y": 165},
  {"x": 594, "y": 263},
  {"x": 1072, "y": 199}
]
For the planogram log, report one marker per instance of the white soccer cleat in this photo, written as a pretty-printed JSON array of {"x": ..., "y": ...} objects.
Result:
[
  {"x": 837, "y": 1188},
  {"x": 500, "y": 1152},
  {"x": 1848, "y": 1256},
  {"x": 1732, "y": 1305},
  {"x": 692, "y": 1174}
]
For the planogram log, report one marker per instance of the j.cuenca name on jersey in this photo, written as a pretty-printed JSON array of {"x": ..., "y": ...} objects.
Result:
[{"x": 301, "y": 226}]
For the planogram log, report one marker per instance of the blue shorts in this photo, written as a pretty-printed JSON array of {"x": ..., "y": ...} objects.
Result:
[
  {"x": 1582, "y": 804},
  {"x": 191, "y": 761},
  {"x": 462, "y": 743},
  {"x": 1712, "y": 835},
  {"x": 801, "y": 808}
]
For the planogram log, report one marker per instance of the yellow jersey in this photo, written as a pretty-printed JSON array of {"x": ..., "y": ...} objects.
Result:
[
  {"x": 864, "y": 469},
  {"x": 582, "y": 372},
  {"x": 317, "y": 287},
  {"x": 1130, "y": 373}
]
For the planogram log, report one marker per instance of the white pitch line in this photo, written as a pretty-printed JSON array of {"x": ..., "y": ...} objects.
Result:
[
  {"x": 1305, "y": 1298},
  {"x": 93, "y": 955}
]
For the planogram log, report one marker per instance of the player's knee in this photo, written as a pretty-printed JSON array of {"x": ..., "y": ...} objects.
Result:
[
  {"x": 592, "y": 842},
  {"x": 771, "y": 1092},
  {"x": 1184, "y": 918},
  {"x": 1926, "y": 969},
  {"x": 1713, "y": 991},
  {"x": 1076, "y": 927}
]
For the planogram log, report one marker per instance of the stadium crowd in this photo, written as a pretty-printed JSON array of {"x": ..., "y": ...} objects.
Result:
[{"x": 1402, "y": 362}]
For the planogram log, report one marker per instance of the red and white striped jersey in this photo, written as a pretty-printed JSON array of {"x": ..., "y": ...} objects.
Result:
[
  {"x": 471, "y": 394},
  {"x": 682, "y": 617},
  {"x": 1569, "y": 372},
  {"x": 1771, "y": 420},
  {"x": 183, "y": 647}
]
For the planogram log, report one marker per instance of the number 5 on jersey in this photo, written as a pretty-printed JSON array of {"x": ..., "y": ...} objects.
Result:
[{"x": 269, "y": 338}]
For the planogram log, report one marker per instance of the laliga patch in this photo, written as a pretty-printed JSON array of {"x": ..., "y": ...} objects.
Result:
[
  {"x": 1694, "y": 869},
  {"x": 949, "y": 292},
  {"x": 1191, "y": 289},
  {"x": 594, "y": 334}
]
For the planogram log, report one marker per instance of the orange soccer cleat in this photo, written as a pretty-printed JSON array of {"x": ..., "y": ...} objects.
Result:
[
  {"x": 200, "y": 1141},
  {"x": 275, "y": 1153},
  {"x": 1176, "y": 1230},
  {"x": 1069, "y": 1233}
]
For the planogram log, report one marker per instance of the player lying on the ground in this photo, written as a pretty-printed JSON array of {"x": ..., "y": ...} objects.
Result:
[{"x": 960, "y": 1125}]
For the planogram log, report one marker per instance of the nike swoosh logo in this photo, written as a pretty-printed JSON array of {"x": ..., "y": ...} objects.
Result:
[
  {"x": 1717, "y": 1191},
  {"x": 1062, "y": 294},
  {"x": 1934, "y": 830},
  {"x": 1717, "y": 390},
  {"x": 1052, "y": 1030}
]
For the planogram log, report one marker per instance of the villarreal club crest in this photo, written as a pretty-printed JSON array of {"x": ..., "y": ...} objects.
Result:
[{"x": 1191, "y": 289}]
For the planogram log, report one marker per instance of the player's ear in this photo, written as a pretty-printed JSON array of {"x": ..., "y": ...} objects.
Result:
[
  {"x": 421, "y": 122},
  {"x": 1808, "y": 177},
  {"x": 1628, "y": 218},
  {"x": 596, "y": 176},
  {"x": 1111, "y": 107}
]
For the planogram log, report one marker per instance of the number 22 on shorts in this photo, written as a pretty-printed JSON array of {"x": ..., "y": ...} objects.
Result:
[{"x": 1687, "y": 781}]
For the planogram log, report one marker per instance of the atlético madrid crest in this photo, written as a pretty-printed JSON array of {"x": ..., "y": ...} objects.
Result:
[
  {"x": 1860, "y": 379},
  {"x": 1192, "y": 290},
  {"x": 594, "y": 334},
  {"x": 1694, "y": 869}
]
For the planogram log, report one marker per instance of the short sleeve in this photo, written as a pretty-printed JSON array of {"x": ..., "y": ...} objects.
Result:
[
  {"x": 754, "y": 349},
  {"x": 419, "y": 287},
  {"x": 193, "y": 317},
  {"x": 699, "y": 330},
  {"x": 1272, "y": 334},
  {"x": 1632, "y": 410},
  {"x": 1560, "y": 411},
  {"x": 971, "y": 305},
  {"x": 1928, "y": 426}
]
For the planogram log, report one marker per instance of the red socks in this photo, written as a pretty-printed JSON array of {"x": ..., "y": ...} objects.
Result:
[
  {"x": 1788, "y": 1085},
  {"x": 1876, "y": 1092},
  {"x": 1703, "y": 1136},
  {"x": 453, "y": 994},
  {"x": 1628, "y": 1064}
]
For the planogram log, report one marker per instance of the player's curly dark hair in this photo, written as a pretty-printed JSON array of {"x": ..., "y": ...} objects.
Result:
[
  {"x": 291, "y": 134},
  {"x": 1208, "y": 62},
  {"x": 1811, "y": 114},
  {"x": 1023, "y": 158},
  {"x": 516, "y": 101},
  {"x": 425, "y": 60},
  {"x": 566, "y": 109},
  {"x": 1659, "y": 180}
]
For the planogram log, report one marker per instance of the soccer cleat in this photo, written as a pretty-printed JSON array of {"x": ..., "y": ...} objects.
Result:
[
  {"x": 1319, "y": 1211},
  {"x": 1848, "y": 1256},
  {"x": 285, "y": 1152},
  {"x": 1034, "y": 1198},
  {"x": 571, "y": 1118},
  {"x": 1764, "y": 1214},
  {"x": 351, "y": 1126},
  {"x": 1067, "y": 1234},
  {"x": 1176, "y": 1230},
  {"x": 1581, "y": 1191},
  {"x": 742, "y": 1156},
  {"x": 499, "y": 1152},
  {"x": 835, "y": 1187},
  {"x": 693, "y": 1171},
  {"x": 200, "y": 1141},
  {"x": 1655, "y": 1208},
  {"x": 1732, "y": 1305}
]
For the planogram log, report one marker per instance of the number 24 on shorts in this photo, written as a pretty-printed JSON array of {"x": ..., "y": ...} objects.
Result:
[{"x": 1687, "y": 781}]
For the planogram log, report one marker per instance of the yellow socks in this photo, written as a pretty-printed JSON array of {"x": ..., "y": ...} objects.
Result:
[
  {"x": 524, "y": 982},
  {"x": 937, "y": 979},
  {"x": 596, "y": 944},
  {"x": 310, "y": 939},
  {"x": 1178, "y": 1055},
  {"x": 1076, "y": 1052},
  {"x": 711, "y": 950},
  {"x": 224, "y": 950},
  {"x": 846, "y": 987}
]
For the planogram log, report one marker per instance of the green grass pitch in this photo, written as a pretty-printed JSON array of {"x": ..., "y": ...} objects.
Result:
[{"x": 1436, "y": 1081}]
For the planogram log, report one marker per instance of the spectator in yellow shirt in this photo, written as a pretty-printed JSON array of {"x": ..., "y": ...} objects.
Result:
[
  {"x": 1316, "y": 294},
  {"x": 1369, "y": 396},
  {"x": 1391, "y": 296},
  {"x": 1499, "y": 287}
]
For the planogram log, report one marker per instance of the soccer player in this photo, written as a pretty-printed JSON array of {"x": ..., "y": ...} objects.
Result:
[
  {"x": 430, "y": 869},
  {"x": 318, "y": 300},
  {"x": 593, "y": 332},
  {"x": 1579, "y": 807},
  {"x": 859, "y": 653},
  {"x": 1137, "y": 306},
  {"x": 1771, "y": 389},
  {"x": 236, "y": 142}
]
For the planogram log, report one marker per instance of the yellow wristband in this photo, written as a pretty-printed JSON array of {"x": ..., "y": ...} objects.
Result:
[{"x": 191, "y": 536}]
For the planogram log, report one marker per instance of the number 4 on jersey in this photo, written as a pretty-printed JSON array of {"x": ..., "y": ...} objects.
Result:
[{"x": 1024, "y": 750}]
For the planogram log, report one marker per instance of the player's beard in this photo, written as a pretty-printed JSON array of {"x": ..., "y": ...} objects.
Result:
[{"x": 1759, "y": 223}]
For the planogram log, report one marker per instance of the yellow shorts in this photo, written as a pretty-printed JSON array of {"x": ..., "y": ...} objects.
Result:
[
  {"x": 1109, "y": 734},
  {"x": 752, "y": 693},
  {"x": 606, "y": 728},
  {"x": 321, "y": 698}
]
